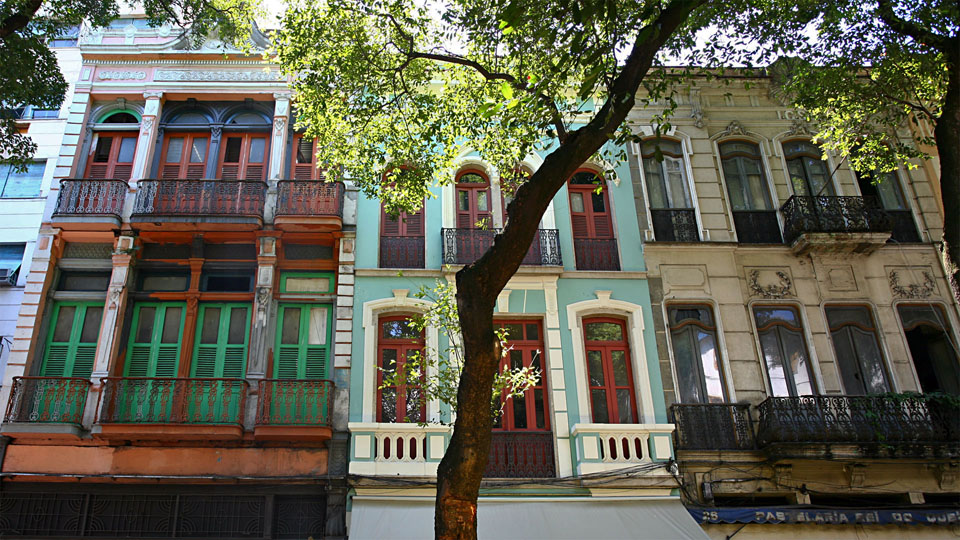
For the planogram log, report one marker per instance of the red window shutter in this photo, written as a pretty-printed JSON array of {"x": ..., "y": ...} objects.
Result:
[
  {"x": 170, "y": 171},
  {"x": 254, "y": 172},
  {"x": 104, "y": 161},
  {"x": 303, "y": 171},
  {"x": 230, "y": 171},
  {"x": 580, "y": 224},
  {"x": 389, "y": 226},
  {"x": 602, "y": 227},
  {"x": 97, "y": 171},
  {"x": 414, "y": 223},
  {"x": 122, "y": 171},
  {"x": 196, "y": 171}
]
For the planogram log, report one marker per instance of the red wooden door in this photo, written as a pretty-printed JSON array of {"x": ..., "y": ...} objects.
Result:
[
  {"x": 473, "y": 201},
  {"x": 528, "y": 412},
  {"x": 111, "y": 157},
  {"x": 589, "y": 211},
  {"x": 304, "y": 164},
  {"x": 243, "y": 156},
  {"x": 612, "y": 395},
  {"x": 397, "y": 342},
  {"x": 184, "y": 156}
]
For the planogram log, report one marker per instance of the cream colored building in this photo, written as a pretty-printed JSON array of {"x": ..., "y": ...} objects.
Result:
[{"x": 773, "y": 276}]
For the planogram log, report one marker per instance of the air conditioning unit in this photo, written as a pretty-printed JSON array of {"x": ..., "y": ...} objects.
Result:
[{"x": 8, "y": 276}]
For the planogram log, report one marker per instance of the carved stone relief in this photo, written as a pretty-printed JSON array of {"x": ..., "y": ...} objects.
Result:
[
  {"x": 769, "y": 282},
  {"x": 918, "y": 289},
  {"x": 119, "y": 75},
  {"x": 733, "y": 128},
  {"x": 216, "y": 76}
]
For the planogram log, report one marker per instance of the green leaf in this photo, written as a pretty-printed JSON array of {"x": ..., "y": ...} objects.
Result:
[{"x": 506, "y": 90}]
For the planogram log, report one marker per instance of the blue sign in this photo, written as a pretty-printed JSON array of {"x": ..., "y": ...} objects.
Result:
[{"x": 777, "y": 514}]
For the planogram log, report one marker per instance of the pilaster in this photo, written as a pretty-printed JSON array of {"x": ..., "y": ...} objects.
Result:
[
  {"x": 263, "y": 306},
  {"x": 148, "y": 132},
  {"x": 278, "y": 146},
  {"x": 343, "y": 342}
]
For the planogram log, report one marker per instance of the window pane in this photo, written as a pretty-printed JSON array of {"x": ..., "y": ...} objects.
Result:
[
  {"x": 890, "y": 195},
  {"x": 598, "y": 403},
  {"x": 471, "y": 178},
  {"x": 769, "y": 315},
  {"x": 797, "y": 359},
  {"x": 686, "y": 368},
  {"x": 164, "y": 282},
  {"x": 535, "y": 364},
  {"x": 290, "y": 333},
  {"x": 576, "y": 202},
  {"x": 619, "y": 361},
  {"x": 624, "y": 409},
  {"x": 127, "y": 146},
  {"x": 388, "y": 361},
  {"x": 307, "y": 284},
  {"x": 145, "y": 324},
  {"x": 413, "y": 404},
  {"x": 519, "y": 412},
  {"x": 655, "y": 188},
  {"x": 102, "y": 153},
  {"x": 533, "y": 333},
  {"x": 853, "y": 384},
  {"x": 25, "y": 184},
  {"x": 232, "y": 152},
  {"x": 871, "y": 361},
  {"x": 318, "y": 326},
  {"x": 238, "y": 326},
  {"x": 677, "y": 183},
  {"x": 595, "y": 368},
  {"x": 514, "y": 331},
  {"x": 175, "y": 150},
  {"x": 539, "y": 408},
  {"x": 482, "y": 205},
  {"x": 305, "y": 151},
  {"x": 399, "y": 330},
  {"x": 64, "y": 324},
  {"x": 388, "y": 405},
  {"x": 463, "y": 201},
  {"x": 771, "y": 357},
  {"x": 171, "y": 325},
  {"x": 257, "y": 147},
  {"x": 604, "y": 331},
  {"x": 91, "y": 325},
  {"x": 211, "y": 325},
  {"x": 516, "y": 359},
  {"x": 198, "y": 151},
  {"x": 840, "y": 315},
  {"x": 710, "y": 362},
  {"x": 599, "y": 205}
]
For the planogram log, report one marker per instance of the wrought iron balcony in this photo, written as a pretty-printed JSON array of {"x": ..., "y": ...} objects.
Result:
[
  {"x": 757, "y": 226},
  {"x": 401, "y": 252},
  {"x": 294, "y": 410},
  {"x": 520, "y": 454},
  {"x": 309, "y": 198},
  {"x": 78, "y": 198},
  {"x": 846, "y": 221},
  {"x": 48, "y": 400},
  {"x": 713, "y": 426},
  {"x": 129, "y": 404},
  {"x": 464, "y": 246},
  {"x": 199, "y": 198},
  {"x": 675, "y": 224},
  {"x": 898, "y": 421},
  {"x": 596, "y": 253}
]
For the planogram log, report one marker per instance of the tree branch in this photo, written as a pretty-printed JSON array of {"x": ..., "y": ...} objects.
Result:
[
  {"x": 907, "y": 28},
  {"x": 19, "y": 19}
]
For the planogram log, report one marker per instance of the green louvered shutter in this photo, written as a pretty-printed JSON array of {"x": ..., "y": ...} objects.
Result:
[
  {"x": 154, "y": 349},
  {"x": 72, "y": 342},
  {"x": 221, "y": 343},
  {"x": 303, "y": 338}
]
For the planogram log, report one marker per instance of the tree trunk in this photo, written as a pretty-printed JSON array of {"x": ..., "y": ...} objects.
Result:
[
  {"x": 478, "y": 285},
  {"x": 947, "y": 134}
]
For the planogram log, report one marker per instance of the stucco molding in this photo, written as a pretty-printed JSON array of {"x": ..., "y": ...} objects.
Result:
[
  {"x": 781, "y": 289},
  {"x": 196, "y": 75},
  {"x": 913, "y": 290}
]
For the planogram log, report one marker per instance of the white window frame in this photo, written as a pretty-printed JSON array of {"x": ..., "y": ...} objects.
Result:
[
  {"x": 686, "y": 148},
  {"x": 762, "y": 145},
  {"x": 818, "y": 386},
  {"x": 728, "y": 385}
]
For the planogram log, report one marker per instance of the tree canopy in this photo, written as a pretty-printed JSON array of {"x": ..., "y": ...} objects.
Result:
[{"x": 29, "y": 73}]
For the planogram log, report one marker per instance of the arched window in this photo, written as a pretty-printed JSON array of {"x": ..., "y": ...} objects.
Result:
[
  {"x": 528, "y": 412},
  {"x": 932, "y": 347},
  {"x": 592, "y": 223},
  {"x": 857, "y": 345},
  {"x": 111, "y": 157},
  {"x": 885, "y": 188},
  {"x": 754, "y": 214},
  {"x": 612, "y": 396},
  {"x": 784, "y": 350},
  {"x": 397, "y": 342},
  {"x": 693, "y": 334},
  {"x": 473, "y": 200},
  {"x": 121, "y": 118},
  {"x": 808, "y": 172},
  {"x": 671, "y": 203}
]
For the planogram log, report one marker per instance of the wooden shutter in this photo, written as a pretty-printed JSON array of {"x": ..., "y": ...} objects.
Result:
[
  {"x": 304, "y": 162},
  {"x": 156, "y": 357},
  {"x": 590, "y": 223},
  {"x": 239, "y": 165},
  {"x": 303, "y": 359},
  {"x": 184, "y": 166},
  {"x": 73, "y": 357},
  {"x": 413, "y": 223},
  {"x": 225, "y": 356}
]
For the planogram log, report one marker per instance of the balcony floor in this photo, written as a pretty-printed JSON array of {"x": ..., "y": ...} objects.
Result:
[
  {"x": 852, "y": 242},
  {"x": 168, "y": 432}
]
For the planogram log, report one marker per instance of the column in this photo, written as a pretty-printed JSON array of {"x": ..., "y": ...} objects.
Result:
[
  {"x": 278, "y": 147},
  {"x": 554, "y": 370},
  {"x": 111, "y": 325},
  {"x": 148, "y": 132},
  {"x": 263, "y": 305}
]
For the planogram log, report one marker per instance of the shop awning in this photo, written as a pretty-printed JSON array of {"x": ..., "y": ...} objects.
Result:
[{"x": 531, "y": 518}]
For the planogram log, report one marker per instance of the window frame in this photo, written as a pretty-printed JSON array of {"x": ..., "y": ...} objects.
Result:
[
  {"x": 951, "y": 331},
  {"x": 183, "y": 166},
  {"x": 878, "y": 339},
  {"x": 285, "y": 275},
  {"x": 303, "y": 348},
  {"x": 111, "y": 164},
  {"x": 664, "y": 173},
  {"x": 156, "y": 338},
  {"x": 4, "y": 181},
  {"x": 73, "y": 344},
  {"x": 473, "y": 188},
  {"x": 769, "y": 190},
  {"x": 607, "y": 366},
  {"x": 297, "y": 168},
  {"x": 526, "y": 345},
  {"x": 718, "y": 346},
  {"x": 222, "y": 345},
  {"x": 816, "y": 382},
  {"x": 831, "y": 188},
  {"x": 404, "y": 345},
  {"x": 590, "y": 215},
  {"x": 243, "y": 162}
]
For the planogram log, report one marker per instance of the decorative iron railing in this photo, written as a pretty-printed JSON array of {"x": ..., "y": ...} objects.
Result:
[
  {"x": 90, "y": 197},
  {"x": 888, "y": 420},
  {"x": 519, "y": 454},
  {"x": 464, "y": 246},
  {"x": 802, "y": 214},
  {"x": 401, "y": 252},
  {"x": 596, "y": 253},
  {"x": 757, "y": 226},
  {"x": 55, "y": 400},
  {"x": 904, "y": 229},
  {"x": 713, "y": 426},
  {"x": 143, "y": 400},
  {"x": 286, "y": 402},
  {"x": 309, "y": 198},
  {"x": 675, "y": 224},
  {"x": 200, "y": 198}
]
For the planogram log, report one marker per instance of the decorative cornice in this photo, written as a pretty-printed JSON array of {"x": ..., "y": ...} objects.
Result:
[
  {"x": 733, "y": 128},
  {"x": 914, "y": 290},
  {"x": 196, "y": 75},
  {"x": 120, "y": 75}
]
